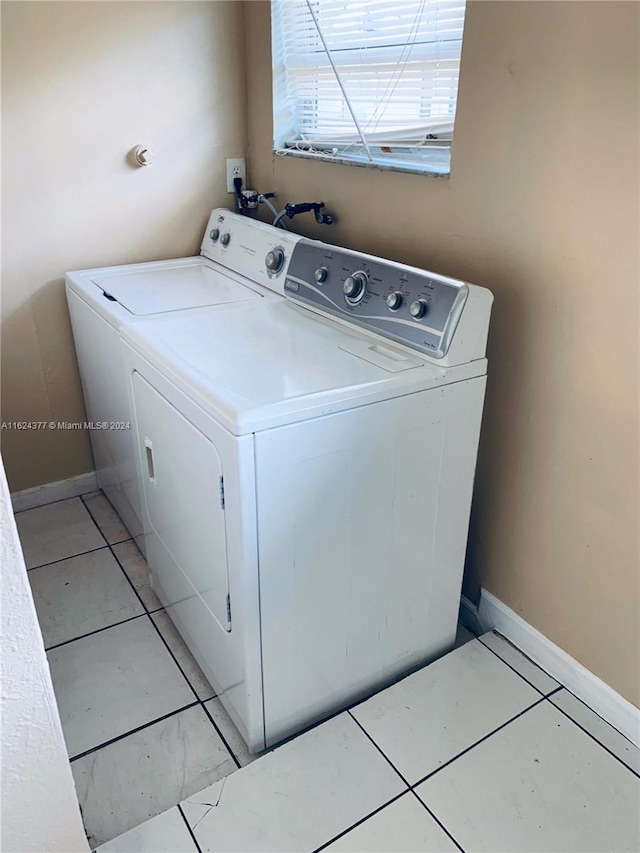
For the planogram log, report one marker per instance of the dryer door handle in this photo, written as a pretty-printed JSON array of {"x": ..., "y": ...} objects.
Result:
[{"x": 151, "y": 470}]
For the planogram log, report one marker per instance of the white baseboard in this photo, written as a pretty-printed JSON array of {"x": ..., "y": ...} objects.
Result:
[
  {"x": 468, "y": 615},
  {"x": 51, "y": 492},
  {"x": 611, "y": 706}
]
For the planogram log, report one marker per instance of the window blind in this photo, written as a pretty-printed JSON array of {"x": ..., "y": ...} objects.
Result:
[{"x": 368, "y": 77}]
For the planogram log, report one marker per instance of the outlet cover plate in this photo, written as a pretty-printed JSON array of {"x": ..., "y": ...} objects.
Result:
[{"x": 236, "y": 168}]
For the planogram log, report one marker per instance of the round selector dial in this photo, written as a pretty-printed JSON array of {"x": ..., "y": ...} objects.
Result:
[
  {"x": 274, "y": 259},
  {"x": 225, "y": 239},
  {"x": 321, "y": 275},
  {"x": 214, "y": 234},
  {"x": 418, "y": 308},
  {"x": 355, "y": 286},
  {"x": 394, "y": 300}
]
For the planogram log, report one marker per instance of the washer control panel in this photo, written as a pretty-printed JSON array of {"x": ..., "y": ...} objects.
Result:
[{"x": 417, "y": 308}]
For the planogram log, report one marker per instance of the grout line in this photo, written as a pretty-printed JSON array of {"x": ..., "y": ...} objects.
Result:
[
  {"x": 130, "y": 582},
  {"x": 84, "y": 504},
  {"x": 70, "y": 557},
  {"x": 437, "y": 820},
  {"x": 121, "y": 541},
  {"x": 51, "y": 503},
  {"x": 525, "y": 656},
  {"x": 95, "y": 521},
  {"x": 593, "y": 737},
  {"x": 88, "y": 511},
  {"x": 517, "y": 672},
  {"x": 582, "y": 702},
  {"x": 128, "y": 538},
  {"x": 365, "y": 732},
  {"x": 195, "y": 841},
  {"x": 97, "y": 631},
  {"x": 361, "y": 821},
  {"x": 222, "y": 737},
  {"x": 175, "y": 659},
  {"x": 479, "y": 741},
  {"x": 133, "y": 731},
  {"x": 195, "y": 693}
]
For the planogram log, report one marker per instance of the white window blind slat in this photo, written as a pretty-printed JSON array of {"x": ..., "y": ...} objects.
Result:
[{"x": 397, "y": 62}]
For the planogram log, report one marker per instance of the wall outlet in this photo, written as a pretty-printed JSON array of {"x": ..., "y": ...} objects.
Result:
[{"x": 236, "y": 168}]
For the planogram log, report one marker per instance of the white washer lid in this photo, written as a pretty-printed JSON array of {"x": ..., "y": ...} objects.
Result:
[
  {"x": 257, "y": 366},
  {"x": 172, "y": 288}
]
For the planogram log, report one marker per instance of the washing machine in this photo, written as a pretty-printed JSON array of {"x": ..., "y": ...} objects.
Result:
[
  {"x": 101, "y": 300},
  {"x": 306, "y": 465}
]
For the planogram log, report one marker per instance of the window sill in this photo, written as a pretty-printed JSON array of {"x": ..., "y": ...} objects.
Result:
[{"x": 435, "y": 163}]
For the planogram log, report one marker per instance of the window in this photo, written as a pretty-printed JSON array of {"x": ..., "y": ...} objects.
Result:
[{"x": 367, "y": 81}]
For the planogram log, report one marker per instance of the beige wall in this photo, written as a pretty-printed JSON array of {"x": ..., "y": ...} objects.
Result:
[
  {"x": 82, "y": 83},
  {"x": 542, "y": 207}
]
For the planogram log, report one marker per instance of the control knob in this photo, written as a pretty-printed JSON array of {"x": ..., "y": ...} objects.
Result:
[
  {"x": 418, "y": 308},
  {"x": 214, "y": 234},
  {"x": 225, "y": 239},
  {"x": 274, "y": 259},
  {"x": 394, "y": 300},
  {"x": 354, "y": 286},
  {"x": 321, "y": 274}
]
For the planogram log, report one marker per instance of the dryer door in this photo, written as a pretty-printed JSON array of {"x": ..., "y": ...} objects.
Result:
[{"x": 183, "y": 487}]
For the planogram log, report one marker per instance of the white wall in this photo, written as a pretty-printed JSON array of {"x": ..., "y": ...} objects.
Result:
[{"x": 39, "y": 809}]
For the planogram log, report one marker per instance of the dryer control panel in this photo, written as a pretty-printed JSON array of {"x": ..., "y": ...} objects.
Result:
[
  {"x": 416, "y": 308},
  {"x": 249, "y": 247}
]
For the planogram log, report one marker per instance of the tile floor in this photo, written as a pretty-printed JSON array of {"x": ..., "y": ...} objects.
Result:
[
  {"x": 142, "y": 725},
  {"x": 480, "y": 751}
]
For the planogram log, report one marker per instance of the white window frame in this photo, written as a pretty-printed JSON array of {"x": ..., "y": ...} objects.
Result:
[{"x": 383, "y": 95}]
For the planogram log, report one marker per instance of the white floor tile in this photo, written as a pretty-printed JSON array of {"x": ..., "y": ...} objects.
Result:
[
  {"x": 404, "y": 826},
  {"x": 135, "y": 778},
  {"x": 109, "y": 683},
  {"x": 230, "y": 732},
  {"x": 514, "y": 657},
  {"x": 189, "y": 665},
  {"x": 106, "y": 518},
  {"x": 166, "y": 833},
  {"x": 431, "y": 716},
  {"x": 297, "y": 797},
  {"x": 539, "y": 784},
  {"x": 81, "y": 594},
  {"x": 56, "y": 531},
  {"x": 137, "y": 571},
  {"x": 596, "y": 726}
]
